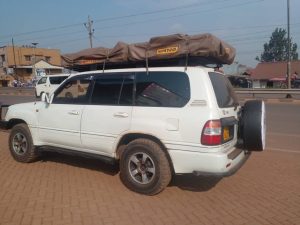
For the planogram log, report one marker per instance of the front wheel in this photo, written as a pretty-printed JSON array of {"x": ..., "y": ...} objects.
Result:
[
  {"x": 144, "y": 167},
  {"x": 21, "y": 145}
]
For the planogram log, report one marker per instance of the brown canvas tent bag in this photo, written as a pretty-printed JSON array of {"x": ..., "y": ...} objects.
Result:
[{"x": 159, "y": 48}]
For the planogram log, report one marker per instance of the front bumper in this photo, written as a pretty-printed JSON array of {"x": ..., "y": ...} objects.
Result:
[
  {"x": 3, "y": 111},
  {"x": 3, "y": 125},
  {"x": 208, "y": 164}
]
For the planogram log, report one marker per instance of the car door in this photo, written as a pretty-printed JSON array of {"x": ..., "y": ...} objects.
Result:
[
  {"x": 59, "y": 122},
  {"x": 109, "y": 113}
]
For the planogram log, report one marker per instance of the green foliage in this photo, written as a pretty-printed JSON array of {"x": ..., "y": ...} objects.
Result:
[{"x": 277, "y": 48}]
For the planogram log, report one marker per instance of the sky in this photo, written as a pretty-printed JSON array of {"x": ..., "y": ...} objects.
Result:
[{"x": 245, "y": 24}]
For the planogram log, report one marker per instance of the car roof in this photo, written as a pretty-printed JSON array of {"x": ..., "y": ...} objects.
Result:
[
  {"x": 143, "y": 69},
  {"x": 58, "y": 75}
]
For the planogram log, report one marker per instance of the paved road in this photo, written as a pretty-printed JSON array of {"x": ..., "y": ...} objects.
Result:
[
  {"x": 10, "y": 99},
  {"x": 66, "y": 190},
  {"x": 283, "y": 123}
]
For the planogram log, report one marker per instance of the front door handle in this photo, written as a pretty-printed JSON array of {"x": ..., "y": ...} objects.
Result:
[
  {"x": 73, "y": 112},
  {"x": 121, "y": 114}
]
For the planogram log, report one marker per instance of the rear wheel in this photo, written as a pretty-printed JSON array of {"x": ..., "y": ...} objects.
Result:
[
  {"x": 144, "y": 167},
  {"x": 20, "y": 144}
]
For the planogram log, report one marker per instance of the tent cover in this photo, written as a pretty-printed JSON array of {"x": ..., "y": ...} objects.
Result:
[{"x": 178, "y": 46}]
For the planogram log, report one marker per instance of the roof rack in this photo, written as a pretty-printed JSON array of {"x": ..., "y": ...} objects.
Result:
[{"x": 181, "y": 62}]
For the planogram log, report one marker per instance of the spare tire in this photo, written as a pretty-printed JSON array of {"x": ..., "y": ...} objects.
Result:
[{"x": 253, "y": 126}]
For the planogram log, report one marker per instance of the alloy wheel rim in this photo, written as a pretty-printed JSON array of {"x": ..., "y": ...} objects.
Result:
[
  {"x": 141, "y": 168},
  {"x": 19, "y": 144}
]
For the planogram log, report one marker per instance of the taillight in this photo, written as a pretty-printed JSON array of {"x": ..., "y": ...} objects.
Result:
[{"x": 212, "y": 133}]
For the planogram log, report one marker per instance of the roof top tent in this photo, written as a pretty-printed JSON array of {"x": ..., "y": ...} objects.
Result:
[{"x": 171, "y": 50}]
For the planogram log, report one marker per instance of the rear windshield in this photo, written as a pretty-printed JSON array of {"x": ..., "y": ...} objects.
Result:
[
  {"x": 57, "y": 80},
  {"x": 225, "y": 94}
]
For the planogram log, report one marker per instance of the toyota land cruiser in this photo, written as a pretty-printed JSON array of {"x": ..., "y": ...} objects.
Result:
[{"x": 154, "y": 121}]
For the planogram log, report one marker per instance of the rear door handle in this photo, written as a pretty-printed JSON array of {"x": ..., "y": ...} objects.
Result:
[
  {"x": 73, "y": 112},
  {"x": 121, "y": 114}
]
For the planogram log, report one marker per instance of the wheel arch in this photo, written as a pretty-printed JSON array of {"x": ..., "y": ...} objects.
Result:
[
  {"x": 127, "y": 138},
  {"x": 13, "y": 122}
]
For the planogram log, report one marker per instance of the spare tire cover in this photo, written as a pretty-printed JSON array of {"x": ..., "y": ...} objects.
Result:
[{"x": 254, "y": 125}]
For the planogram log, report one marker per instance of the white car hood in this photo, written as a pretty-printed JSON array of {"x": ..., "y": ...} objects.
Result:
[{"x": 19, "y": 111}]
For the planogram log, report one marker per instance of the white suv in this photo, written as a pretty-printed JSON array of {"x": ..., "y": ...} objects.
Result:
[
  {"x": 48, "y": 84},
  {"x": 155, "y": 123}
]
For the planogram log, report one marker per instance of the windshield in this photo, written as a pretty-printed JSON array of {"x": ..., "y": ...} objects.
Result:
[{"x": 225, "y": 94}]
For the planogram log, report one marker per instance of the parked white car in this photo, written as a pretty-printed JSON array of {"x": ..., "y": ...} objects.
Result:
[
  {"x": 48, "y": 84},
  {"x": 155, "y": 123}
]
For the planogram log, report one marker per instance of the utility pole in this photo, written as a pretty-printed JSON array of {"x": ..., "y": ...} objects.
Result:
[
  {"x": 15, "y": 66},
  {"x": 34, "y": 60},
  {"x": 90, "y": 30},
  {"x": 289, "y": 46}
]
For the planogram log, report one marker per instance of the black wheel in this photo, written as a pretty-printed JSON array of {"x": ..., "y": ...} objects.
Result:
[
  {"x": 20, "y": 144},
  {"x": 254, "y": 125},
  {"x": 144, "y": 167}
]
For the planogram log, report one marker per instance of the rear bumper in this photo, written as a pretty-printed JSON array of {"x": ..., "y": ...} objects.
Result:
[
  {"x": 210, "y": 164},
  {"x": 232, "y": 170}
]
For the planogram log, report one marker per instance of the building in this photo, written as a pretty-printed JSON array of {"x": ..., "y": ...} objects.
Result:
[
  {"x": 274, "y": 73},
  {"x": 27, "y": 62}
]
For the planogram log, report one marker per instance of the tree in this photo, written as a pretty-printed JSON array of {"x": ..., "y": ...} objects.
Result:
[{"x": 276, "y": 49}]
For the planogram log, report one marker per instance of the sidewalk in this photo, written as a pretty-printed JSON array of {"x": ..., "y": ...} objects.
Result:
[{"x": 65, "y": 190}]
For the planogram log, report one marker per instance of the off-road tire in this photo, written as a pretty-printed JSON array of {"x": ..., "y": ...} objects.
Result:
[
  {"x": 162, "y": 176},
  {"x": 19, "y": 134}
]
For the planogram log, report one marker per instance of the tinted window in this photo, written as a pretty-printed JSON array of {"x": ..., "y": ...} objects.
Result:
[
  {"x": 223, "y": 89},
  {"x": 113, "y": 90},
  {"x": 42, "y": 80},
  {"x": 57, "y": 80},
  {"x": 162, "y": 89},
  {"x": 74, "y": 91}
]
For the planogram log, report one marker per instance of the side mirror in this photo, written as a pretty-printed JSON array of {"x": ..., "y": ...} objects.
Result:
[{"x": 45, "y": 98}]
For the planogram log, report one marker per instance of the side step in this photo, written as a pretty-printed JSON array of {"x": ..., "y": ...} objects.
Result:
[{"x": 106, "y": 159}]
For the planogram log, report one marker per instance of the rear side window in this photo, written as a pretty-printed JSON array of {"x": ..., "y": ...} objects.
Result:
[
  {"x": 57, "y": 80},
  {"x": 162, "y": 89},
  {"x": 113, "y": 90},
  {"x": 225, "y": 94}
]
